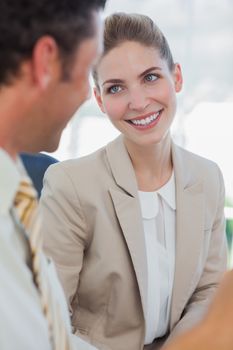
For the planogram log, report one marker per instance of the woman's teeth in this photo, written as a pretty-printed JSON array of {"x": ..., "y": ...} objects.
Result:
[{"x": 145, "y": 121}]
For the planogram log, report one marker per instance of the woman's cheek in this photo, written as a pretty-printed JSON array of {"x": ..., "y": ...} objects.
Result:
[{"x": 114, "y": 109}]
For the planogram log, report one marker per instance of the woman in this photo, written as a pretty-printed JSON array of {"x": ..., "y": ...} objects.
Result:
[{"x": 136, "y": 229}]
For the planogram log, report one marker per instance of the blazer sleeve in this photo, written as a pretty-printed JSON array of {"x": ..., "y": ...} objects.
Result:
[
  {"x": 65, "y": 227},
  {"x": 215, "y": 266}
]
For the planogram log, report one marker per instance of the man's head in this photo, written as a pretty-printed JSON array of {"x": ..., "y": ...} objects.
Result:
[
  {"x": 23, "y": 22},
  {"x": 47, "y": 49}
]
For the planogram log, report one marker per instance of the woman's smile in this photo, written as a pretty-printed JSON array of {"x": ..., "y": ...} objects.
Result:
[{"x": 145, "y": 122}]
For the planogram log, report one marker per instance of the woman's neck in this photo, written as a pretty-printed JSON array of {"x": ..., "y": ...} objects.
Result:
[{"x": 152, "y": 164}]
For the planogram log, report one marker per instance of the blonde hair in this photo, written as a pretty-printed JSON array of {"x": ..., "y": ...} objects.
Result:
[{"x": 120, "y": 27}]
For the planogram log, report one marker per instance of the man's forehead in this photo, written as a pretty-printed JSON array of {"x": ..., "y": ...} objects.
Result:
[{"x": 93, "y": 45}]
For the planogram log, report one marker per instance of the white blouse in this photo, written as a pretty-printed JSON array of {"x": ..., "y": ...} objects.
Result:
[{"x": 159, "y": 220}]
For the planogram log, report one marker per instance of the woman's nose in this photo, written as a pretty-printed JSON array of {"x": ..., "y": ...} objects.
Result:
[{"x": 138, "y": 100}]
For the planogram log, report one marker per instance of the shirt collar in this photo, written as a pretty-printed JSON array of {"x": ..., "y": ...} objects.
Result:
[
  {"x": 168, "y": 192},
  {"x": 149, "y": 200},
  {"x": 9, "y": 181}
]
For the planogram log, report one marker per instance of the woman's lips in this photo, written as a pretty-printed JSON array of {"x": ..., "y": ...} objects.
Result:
[{"x": 147, "y": 122}]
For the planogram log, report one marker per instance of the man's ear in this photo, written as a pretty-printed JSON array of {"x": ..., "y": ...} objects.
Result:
[
  {"x": 99, "y": 99},
  {"x": 46, "y": 63},
  {"x": 178, "y": 78}
]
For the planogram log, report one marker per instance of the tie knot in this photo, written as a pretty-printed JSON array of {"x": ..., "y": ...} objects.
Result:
[
  {"x": 25, "y": 201},
  {"x": 26, "y": 188}
]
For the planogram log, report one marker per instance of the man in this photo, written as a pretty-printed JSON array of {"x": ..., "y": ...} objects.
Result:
[{"x": 47, "y": 48}]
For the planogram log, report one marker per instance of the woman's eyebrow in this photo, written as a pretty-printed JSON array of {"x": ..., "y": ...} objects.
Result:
[
  {"x": 149, "y": 70},
  {"x": 120, "y": 81},
  {"x": 113, "y": 81}
]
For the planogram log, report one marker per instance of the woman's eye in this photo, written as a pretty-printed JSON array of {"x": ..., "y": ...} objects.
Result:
[
  {"x": 114, "y": 89},
  {"x": 151, "y": 77}
]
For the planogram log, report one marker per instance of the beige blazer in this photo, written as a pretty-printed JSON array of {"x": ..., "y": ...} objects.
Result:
[{"x": 94, "y": 233}]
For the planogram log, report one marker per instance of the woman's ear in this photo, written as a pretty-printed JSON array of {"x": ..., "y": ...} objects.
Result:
[
  {"x": 178, "y": 78},
  {"x": 99, "y": 99}
]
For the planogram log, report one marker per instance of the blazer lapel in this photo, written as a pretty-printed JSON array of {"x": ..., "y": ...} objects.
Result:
[
  {"x": 189, "y": 230},
  {"x": 128, "y": 211}
]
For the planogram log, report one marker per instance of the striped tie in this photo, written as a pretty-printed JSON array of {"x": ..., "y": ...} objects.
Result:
[{"x": 26, "y": 207}]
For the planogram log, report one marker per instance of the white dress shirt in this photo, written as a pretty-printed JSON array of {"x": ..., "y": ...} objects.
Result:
[
  {"x": 159, "y": 216},
  {"x": 22, "y": 322}
]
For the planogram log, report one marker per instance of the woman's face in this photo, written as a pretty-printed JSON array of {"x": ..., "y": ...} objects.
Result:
[{"x": 138, "y": 92}]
